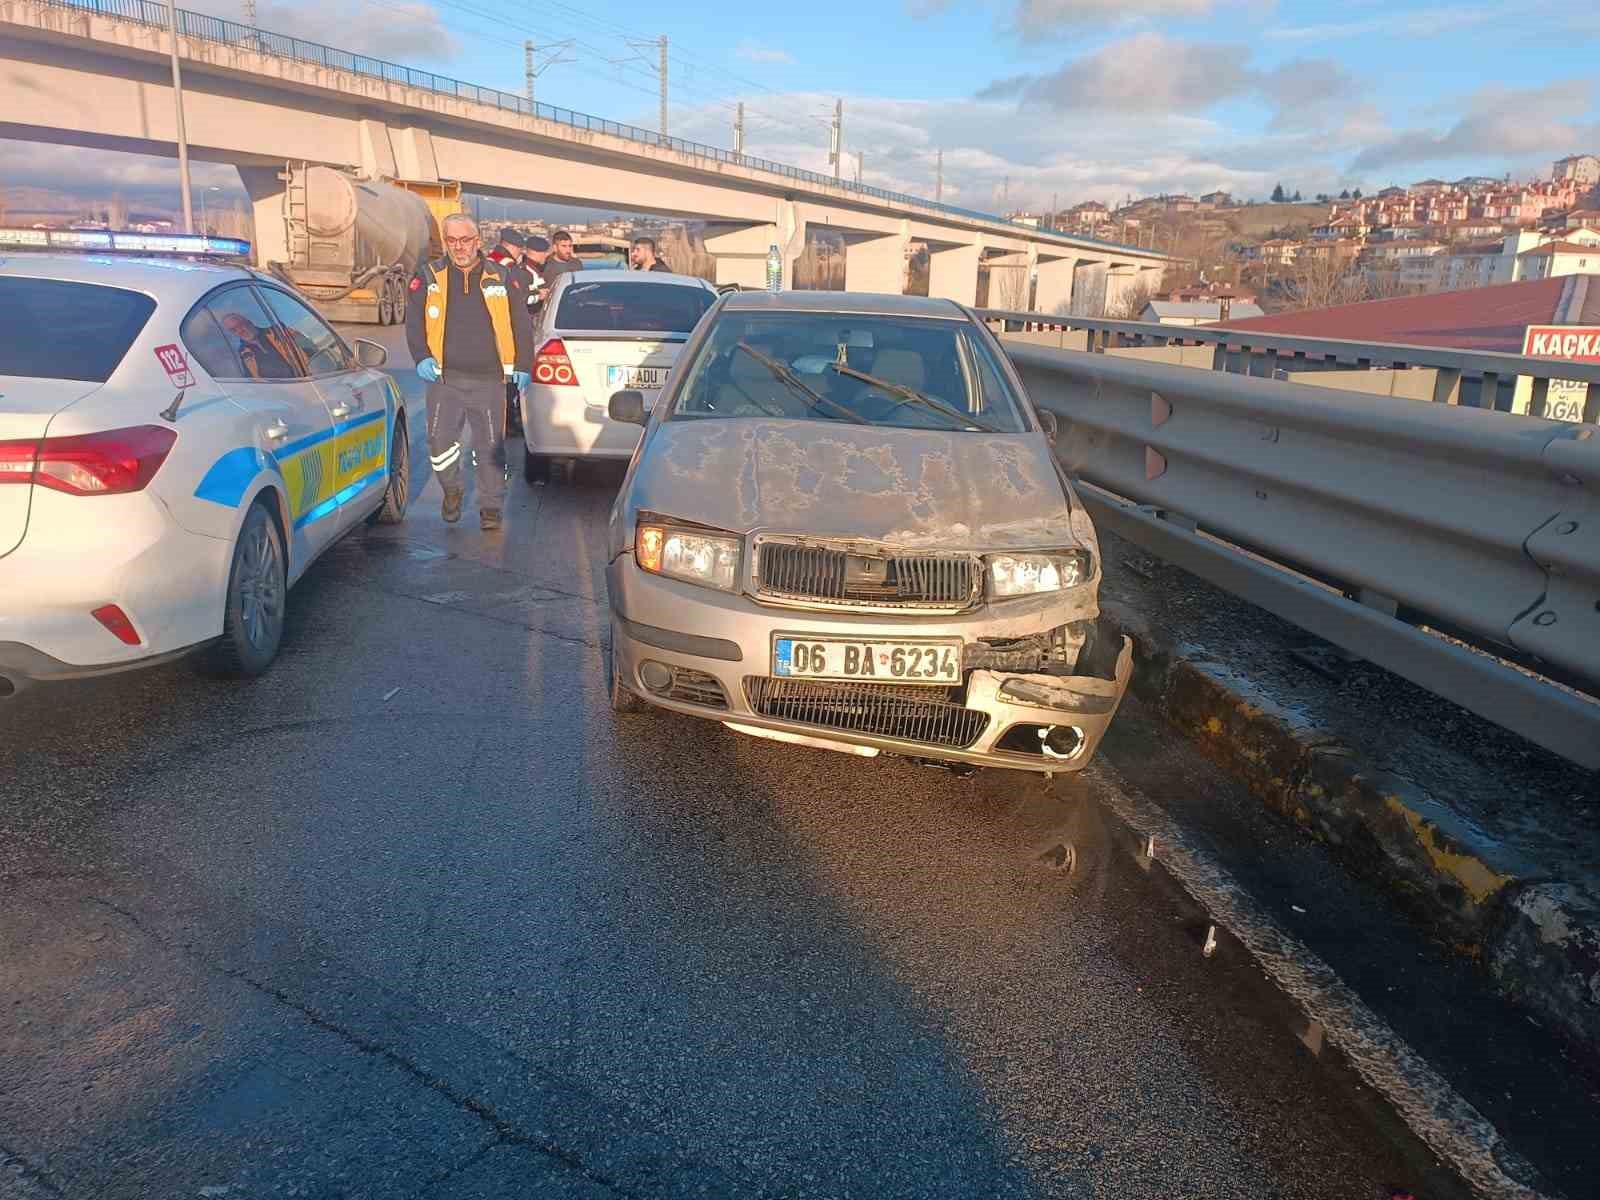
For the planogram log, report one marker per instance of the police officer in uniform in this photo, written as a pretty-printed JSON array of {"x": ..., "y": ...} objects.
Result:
[{"x": 468, "y": 339}]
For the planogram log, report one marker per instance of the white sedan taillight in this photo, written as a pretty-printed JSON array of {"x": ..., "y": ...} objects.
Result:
[
  {"x": 90, "y": 464},
  {"x": 552, "y": 366}
]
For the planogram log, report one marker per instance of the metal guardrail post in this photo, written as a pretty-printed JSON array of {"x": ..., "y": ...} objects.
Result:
[{"x": 1482, "y": 524}]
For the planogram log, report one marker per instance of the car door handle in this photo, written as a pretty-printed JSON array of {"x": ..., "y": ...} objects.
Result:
[
  {"x": 275, "y": 431},
  {"x": 343, "y": 410}
]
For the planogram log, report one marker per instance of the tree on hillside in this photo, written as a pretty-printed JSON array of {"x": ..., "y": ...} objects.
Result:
[
  {"x": 1323, "y": 280},
  {"x": 1356, "y": 195},
  {"x": 1277, "y": 194},
  {"x": 1297, "y": 196},
  {"x": 1345, "y": 195}
]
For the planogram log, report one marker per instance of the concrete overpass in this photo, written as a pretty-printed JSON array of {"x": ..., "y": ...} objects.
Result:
[{"x": 72, "y": 74}]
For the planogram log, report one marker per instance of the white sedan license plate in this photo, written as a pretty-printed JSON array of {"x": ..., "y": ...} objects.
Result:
[
  {"x": 867, "y": 660},
  {"x": 639, "y": 379}
]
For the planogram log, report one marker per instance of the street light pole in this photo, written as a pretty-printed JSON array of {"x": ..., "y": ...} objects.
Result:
[{"x": 183, "y": 136}]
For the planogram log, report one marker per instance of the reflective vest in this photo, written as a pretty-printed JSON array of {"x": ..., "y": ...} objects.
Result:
[{"x": 493, "y": 285}]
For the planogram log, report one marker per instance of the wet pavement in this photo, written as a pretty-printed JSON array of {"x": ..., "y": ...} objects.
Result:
[{"x": 415, "y": 916}]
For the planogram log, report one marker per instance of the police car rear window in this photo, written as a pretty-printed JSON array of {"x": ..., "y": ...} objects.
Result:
[
  {"x": 58, "y": 330},
  {"x": 624, "y": 307}
]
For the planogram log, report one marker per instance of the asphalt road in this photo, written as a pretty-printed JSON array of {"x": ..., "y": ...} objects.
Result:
[{"x": 415, "y": 916}]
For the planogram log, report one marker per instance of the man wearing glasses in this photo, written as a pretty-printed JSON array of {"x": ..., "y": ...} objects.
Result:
[{"x": 469, "y": 340}]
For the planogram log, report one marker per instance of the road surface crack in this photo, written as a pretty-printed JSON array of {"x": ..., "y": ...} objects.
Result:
[{"x": 507, "y": 1130}]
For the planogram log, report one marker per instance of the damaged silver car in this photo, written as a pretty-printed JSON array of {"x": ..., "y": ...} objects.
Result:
[{"x": 845, "y": 527}]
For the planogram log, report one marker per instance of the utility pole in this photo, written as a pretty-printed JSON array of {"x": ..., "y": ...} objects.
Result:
[
  {"x": 836, "y": 138},
  {"x": 183, "y": 136},
  {"x": 738, "y": 132},
  {"x": 250, "y": 13},
  {"x": 938, "y": 178},
  {"x": 663, "y": 69},
  {"x": 532, "y": 68}
]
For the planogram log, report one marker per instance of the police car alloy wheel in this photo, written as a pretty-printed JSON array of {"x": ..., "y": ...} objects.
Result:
[
  {"x": 252, "y": 625},
  {"x": 397, "y": 496}
]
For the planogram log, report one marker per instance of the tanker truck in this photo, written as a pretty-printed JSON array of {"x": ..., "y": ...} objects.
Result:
[{"x": 354, "y": 243}]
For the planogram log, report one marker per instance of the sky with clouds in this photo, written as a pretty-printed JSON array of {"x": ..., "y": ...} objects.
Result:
[{"x": 1028, "y": 99}]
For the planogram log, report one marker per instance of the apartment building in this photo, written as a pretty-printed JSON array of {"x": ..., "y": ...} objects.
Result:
[{"x": 1583, "y": 170}]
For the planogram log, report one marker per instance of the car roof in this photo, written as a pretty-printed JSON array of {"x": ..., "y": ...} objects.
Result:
[
  {"x": 173, "y": 280},
  {"x": 621, "y": 274},
  {"x": 860, "y": 303}
]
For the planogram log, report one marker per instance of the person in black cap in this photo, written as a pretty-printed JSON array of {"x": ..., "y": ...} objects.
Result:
[
  {"x": 535, "y": 253},
  {"x": 509, "y": 252}
]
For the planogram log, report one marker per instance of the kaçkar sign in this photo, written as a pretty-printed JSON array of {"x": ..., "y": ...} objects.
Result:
[{"x": 1575, "y": 343}]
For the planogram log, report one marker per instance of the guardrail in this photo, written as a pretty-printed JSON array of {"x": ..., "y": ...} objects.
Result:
[
  {"x": 247, "y": 37},
  {"x": 1396, "y": 530},
  {"x": 1476, "y": 379}
]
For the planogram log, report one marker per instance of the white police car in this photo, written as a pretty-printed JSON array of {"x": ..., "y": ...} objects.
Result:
[{"x": 179, "y": 439}]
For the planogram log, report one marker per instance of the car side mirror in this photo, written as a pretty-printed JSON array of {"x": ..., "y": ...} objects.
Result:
[
  {"x": 1049, "y": 424},
  {"x": 370, "y": 354},
  {"x": 627, "y": 407}
]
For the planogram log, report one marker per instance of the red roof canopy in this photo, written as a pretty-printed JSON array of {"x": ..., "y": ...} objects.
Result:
[{"x": 1486, "y": 318}]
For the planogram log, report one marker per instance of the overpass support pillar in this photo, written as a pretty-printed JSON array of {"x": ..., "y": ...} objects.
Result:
[
  {"x": 953, "y": 273},
  {"x": 1054, "y": 293},
  {"x": 740, "y": 252},
  {"x": 1121, "y": 279},
  {"x": 266, "y": 189},
  {"x": 1089, "y": 288},
  {"x": 876, "y": 263}
]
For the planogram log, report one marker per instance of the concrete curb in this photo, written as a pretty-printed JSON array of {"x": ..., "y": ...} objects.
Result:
[{"x": 1538, "y": 936}]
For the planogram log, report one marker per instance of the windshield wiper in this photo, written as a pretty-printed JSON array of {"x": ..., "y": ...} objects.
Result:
[
  {"x": 785, "y": 375},
  {"x": 912, "y": 396}
]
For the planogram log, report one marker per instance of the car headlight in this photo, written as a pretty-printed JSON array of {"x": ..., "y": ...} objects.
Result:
[
  {"x": 1030, "y": 574},
  {"x": 709, "y": 559}
]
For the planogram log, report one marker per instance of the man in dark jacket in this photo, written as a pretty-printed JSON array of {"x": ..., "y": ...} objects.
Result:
[
  {"x": 565, "y": 257},
  {"x": 467, "y": 324},
  {"x": 643, "y": 257}
]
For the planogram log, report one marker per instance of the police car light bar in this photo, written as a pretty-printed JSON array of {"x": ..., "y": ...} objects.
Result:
[{"x": 124, "y": 241}]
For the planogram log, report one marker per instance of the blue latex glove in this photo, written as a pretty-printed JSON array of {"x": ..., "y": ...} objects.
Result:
[
  {"x": 522, "y": 379},
  {"x": 428, "y": 370}
]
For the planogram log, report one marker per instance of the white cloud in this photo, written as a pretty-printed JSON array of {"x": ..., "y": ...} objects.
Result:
[
  {"x": 1498, "y": 123},
  {"x": 394, "y": 29},
  {"x": 1153, "y": 73},
  {"x": 1418, "y": 22},
  {"x": 764, "y": 54}
]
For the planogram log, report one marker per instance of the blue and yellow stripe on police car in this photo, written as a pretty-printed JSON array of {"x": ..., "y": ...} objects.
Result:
[
  {"x": 319, "y": 472},
  {"x": 353, "y": 457}
]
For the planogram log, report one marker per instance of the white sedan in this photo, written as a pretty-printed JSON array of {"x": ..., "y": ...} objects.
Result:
[
  {"x": 179, "y": 440},
  {"x": 602, "y": 332}
]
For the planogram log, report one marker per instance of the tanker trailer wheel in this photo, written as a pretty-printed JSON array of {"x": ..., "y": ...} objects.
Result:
[
  {"x": 401, "y": 295},
  {"x": 386, "y": 301}
]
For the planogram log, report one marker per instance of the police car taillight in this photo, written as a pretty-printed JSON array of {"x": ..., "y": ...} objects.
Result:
[
  {"x": 552, "y": 366},
  {"x": 91, "y": 464}
]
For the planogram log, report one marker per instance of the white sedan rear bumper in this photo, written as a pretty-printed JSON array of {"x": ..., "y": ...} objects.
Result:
[{"x": 81, "y": 553}]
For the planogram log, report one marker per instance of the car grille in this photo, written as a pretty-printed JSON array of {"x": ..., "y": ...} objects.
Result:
[
  {"x": 831, "y": 575},
  {"x": 912, "y": 714}
]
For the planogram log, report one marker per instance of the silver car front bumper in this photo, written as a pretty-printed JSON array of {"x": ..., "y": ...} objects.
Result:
[{"x": 729, "y": 639}]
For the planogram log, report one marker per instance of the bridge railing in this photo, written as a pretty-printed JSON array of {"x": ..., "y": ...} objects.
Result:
[
  {"x": 215, "y": 29},
  {"x": 1473, "y": 378},
  {"x": 1454, "y": 546}
]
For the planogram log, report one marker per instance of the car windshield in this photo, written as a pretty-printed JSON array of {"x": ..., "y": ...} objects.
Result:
[
  {"x": 60, "y": 330},
  {"x": 624, "y": 306},
  {"x": 917, "y": 373}
]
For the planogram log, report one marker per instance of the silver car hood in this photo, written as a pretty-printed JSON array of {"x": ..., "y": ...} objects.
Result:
[{"x": 906, "y": 487}]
